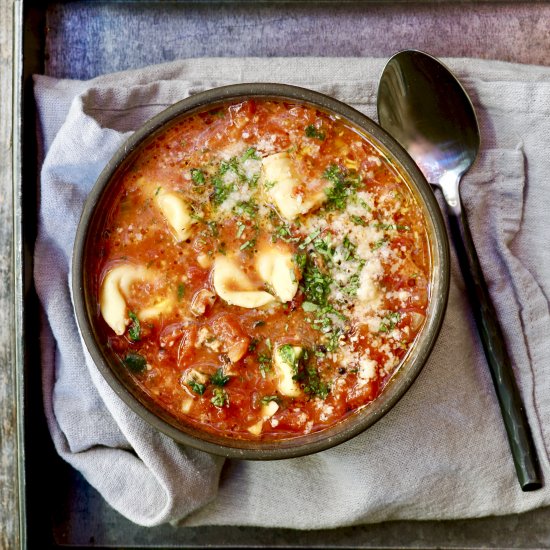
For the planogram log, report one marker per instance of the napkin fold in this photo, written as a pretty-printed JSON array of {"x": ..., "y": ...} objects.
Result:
[{"x": 441, "y": 452}]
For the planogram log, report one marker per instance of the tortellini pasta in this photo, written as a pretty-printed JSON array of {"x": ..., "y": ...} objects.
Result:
[
  {"x": 177, "y": 213},
  {"x": 234, "y": 286},
  {"x": 276, "y": 268},
  {"x": 283, "y": 184},
  {"x": 154, "y": 311},
  {"x": 117, "y": 286}
]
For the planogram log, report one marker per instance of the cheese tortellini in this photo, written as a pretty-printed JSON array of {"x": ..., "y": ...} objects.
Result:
[
  {"x": 234, "y": 286},
  {"x": 276, "y": 268},
  {"x": 117, "y": 286},
  {"x": 283, "y": 184},
  {"x": 177, "y": 213}
]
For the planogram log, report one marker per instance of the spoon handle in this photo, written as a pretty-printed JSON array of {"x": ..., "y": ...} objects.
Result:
[{"x": 517, "y": 427}]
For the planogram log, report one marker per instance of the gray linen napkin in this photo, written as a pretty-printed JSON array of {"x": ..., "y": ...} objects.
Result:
[{"x": 442, "y": 451}]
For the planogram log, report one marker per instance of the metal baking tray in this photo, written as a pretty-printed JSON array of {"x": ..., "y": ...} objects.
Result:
[{"x": 58, "y": 507}]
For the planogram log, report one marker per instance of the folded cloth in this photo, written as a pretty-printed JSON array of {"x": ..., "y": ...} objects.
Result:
[{"x": 442, "y": 451}]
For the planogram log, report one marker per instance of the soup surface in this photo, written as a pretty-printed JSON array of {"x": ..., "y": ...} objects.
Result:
[{"x": 263, "y": 270}]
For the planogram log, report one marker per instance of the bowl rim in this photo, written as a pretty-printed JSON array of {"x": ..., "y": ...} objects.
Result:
[{"x": 400, "y": 382}]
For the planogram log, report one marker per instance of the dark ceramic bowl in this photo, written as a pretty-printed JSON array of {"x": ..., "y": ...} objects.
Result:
[{"x": 117, "y": 376}]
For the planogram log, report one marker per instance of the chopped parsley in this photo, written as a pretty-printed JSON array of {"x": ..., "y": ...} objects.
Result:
[
  {"x": 197, "y": 175},
  {"x": 213, "y": 226},
  {"x": 269, "y": 398},
  {"x": 390, "y": 321},
  {"x": 250, "y": 153},
  {"x": 253, "y": 344},
  {"x": 248, "y": 208},
  {"x": 391, "y": 226},
  {"x": 379, "y": 244},
  {"x": 300, "y": 260},
  {"x": 222, "y": 190},
  {"x": 315, "y": 284},
  {"x": 264, "y": 361},
  {"x": 353, "y": 283},
  {"x": 248, "y": 244},
  {"x": 268, "y": 184},
  {"x": 344, "y": 184},
  {"x": 197, "y": 387},
  {"x": 310, "y": 238},
  {"x": 284, "y": 233},
  {"x": 135, "y": 362},
  {"x": 323, "y": 247},
  {"x": 134, "y": 330},
  {"x": 181, "y": 291},
  {"x": 220, "y": 398},
  {"x": 231, "y": 165},
  {"x": 312, "y": 132},
  {"x": 357, "y": 220},
  {"x": 240, "y": 229},
  {"x": 219, "y": 378},
  {"x": 289, "y": 356},
  {"x": 310, "y": 381}
]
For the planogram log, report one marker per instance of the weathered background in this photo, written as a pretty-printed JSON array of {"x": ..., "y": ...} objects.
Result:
[
  {"x": 8, "y": 427},
  {"x": 506, "y": 31}
]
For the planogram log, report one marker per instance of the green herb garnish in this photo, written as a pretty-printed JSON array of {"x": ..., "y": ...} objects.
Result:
[
  {"x": 253, "y": 344},
  {"x": 357, "y": 220},
  {"x": 220, "y": 398},
  {"x": 222, "y": 190},
  {"x": 240, "y": 229},
  {"x": 315, "y": 284},
  {"x": 264, "y": 361},
  {"x": 250, "y": 153},
  {"x": 289, "y": 356},
  {"x": 219, "y": 378},
  {"x": 135, "y": 362},
  {"x": 309, "y": 307},
  {"x": 248, "y": 244},
  {"x": 344, "y": 185},
  {"x": 390, "y": 321},
  {"x": 312, "y": 132},
  {"x": 268, "y": 398},
  {"x": 312, "y": 383},
  {"x": 197, "y": 387},
  {"x": 248, "y": 208},
  {"x": 213, "y": 226},
  {"x": 197, "y": 176},
  {"x": 379, "y": 244},
  {"x": 134, "y": 330},
  {"x": 181, "y": 291}
]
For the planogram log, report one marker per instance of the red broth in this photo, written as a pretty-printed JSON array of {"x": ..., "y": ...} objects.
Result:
[{"x": 263, "y": 271}]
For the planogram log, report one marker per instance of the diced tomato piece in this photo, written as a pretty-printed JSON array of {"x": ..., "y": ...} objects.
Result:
[{"x": 230, "y": 333}]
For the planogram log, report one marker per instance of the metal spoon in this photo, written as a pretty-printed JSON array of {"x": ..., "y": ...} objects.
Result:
[{"x": 424, "y": 107}]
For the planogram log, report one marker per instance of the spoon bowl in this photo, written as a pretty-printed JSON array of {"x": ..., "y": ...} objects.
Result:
[
  {"x": 426, "y": 109},
  {"x": 424, "y": 106}
]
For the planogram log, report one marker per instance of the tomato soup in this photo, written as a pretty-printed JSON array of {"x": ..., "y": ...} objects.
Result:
[{"x": 263, "y": 270}]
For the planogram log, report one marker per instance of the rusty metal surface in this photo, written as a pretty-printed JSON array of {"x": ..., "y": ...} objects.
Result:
[{"x": 84, "y": 39}]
